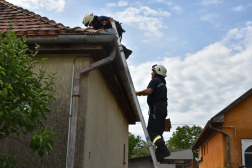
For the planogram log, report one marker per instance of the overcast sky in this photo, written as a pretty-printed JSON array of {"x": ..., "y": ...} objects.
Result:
[{"x": 206, "y": 46}]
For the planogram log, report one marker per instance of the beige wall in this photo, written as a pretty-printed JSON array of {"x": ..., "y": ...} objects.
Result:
[{"x": 106, "y": 129}]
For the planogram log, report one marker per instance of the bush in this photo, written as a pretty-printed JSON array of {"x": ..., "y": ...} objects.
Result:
[{"x": 23, "y": 99}]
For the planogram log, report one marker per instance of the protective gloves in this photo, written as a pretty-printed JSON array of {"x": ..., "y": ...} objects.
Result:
[{"x": 138, "y": 93}]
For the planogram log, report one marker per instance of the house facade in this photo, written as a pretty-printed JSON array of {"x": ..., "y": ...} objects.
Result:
[
  {"x": 104, "y": 106},
  {"x": 177, "y": 159},
  {"x": 226, "y": 139}
]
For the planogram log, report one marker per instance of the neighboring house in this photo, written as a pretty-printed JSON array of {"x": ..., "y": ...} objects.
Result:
[
  {"x": 106, "y": 102},
  {"x": 233, "y": 122},
  {"x": 177, "y": 159}
]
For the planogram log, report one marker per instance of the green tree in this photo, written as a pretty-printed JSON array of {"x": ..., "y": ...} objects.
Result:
[
  {"x": 23, "y": 98},
  {"x": 143, "y": 151},
  {"x": 135, "y": 143},
  {"x": 184, "y": 138}
]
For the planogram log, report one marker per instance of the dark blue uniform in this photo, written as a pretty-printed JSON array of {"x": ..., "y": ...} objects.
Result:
[
  {"x": 158, "y": 90},
  {"x": 102, "y": 23},
  {"x": 157, "y": 114}
]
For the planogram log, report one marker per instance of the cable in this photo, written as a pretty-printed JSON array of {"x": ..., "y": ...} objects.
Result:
[{"x": 179, "y": 124}]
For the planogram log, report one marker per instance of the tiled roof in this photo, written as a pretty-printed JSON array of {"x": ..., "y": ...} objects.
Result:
[{"x": 28, "y": 23}]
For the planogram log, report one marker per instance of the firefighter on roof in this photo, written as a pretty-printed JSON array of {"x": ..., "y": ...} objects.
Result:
[
  {"x": 104, "y": 22},
  {"x": 157, "y": 101}
]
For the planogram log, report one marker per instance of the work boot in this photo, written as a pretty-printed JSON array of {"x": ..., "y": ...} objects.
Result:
[
  {"x": 127, "y": 52},
  {"x": 161, "y": 151},
  {"x": 158, "y": 153},
  {"x": 164, "y": 152}
]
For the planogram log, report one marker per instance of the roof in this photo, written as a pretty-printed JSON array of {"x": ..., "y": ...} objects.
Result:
[
  {"x": 55, "y": 38},
  {"x": 28, "y": 23},
  {"x": 179, "y": 154},
  {"x": 217, "y": 120}
]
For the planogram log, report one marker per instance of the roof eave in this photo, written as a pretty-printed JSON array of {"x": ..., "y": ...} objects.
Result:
[{"x": 107, "y": 36}]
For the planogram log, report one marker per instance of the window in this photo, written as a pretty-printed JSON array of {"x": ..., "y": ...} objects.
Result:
[
  {"x": 124, "y": 159},
  {"x": 168, "y": 162},
  {"x": 204, "y": 150},
  {"x": 246, "y": 145},
  {"x": 248, "y": 156},
  {"x": 180, "y": 161},
  {"x": 207, "y": 147}
]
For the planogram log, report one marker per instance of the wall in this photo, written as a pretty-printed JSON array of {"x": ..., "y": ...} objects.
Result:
[
  {"x": 238, "y": 119},
  {"x": 106, "y": 130},
  {"x": 141, "y": 162},
  {"x": 212, "y": 152},
  {"x": 57, "y": 120},
  {"x": 237, "y": 124}
]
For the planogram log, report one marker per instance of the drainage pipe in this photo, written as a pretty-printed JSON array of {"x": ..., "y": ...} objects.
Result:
[
  {"x": 76, "y": 90},
  {"x": 70, "y": 113},
  {"x": 228, "y": 145}
]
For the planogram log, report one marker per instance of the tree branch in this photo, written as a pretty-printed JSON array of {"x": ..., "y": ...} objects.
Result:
[{"x": 26, "y": 143}]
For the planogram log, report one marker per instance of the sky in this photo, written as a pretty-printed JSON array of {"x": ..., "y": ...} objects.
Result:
[{"x": 206, "y": 46}]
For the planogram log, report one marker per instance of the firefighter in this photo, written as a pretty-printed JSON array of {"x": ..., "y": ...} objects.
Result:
[
  {"x": 157, "y": 101},
  {"x": 104, "y": 22}
]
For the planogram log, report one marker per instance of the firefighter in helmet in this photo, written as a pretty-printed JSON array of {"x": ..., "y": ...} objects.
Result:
[
  {"x": 157, "y": 101},
  {"x": 104, "y": 22}
]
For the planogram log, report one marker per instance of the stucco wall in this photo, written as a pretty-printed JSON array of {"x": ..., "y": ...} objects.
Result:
[
  {"x": 102, "y": 127},
  {"x": 57, "y": 119},
  {"x": 106, "y": 130}
]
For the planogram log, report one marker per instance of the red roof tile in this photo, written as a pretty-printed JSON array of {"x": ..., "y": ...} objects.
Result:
[{"x": 28, "y": 23}]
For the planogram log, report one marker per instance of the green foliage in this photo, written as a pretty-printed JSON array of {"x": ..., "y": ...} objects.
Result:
[
  {"x": 143, "y": 151},
  {"x": 6, "y": 161},
  {"x": 135, "y": 143},
  {"x": 23, "y": 98},
  {"x": 184, "y": 138}
]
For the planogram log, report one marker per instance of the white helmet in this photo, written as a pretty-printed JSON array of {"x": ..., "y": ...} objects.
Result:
[
  {"x": 160, "y": 70},
  {"x": 88, "y": 18}
]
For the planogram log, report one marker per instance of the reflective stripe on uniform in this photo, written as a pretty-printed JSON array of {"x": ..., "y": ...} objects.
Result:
[{"x": 156, "y": 138}]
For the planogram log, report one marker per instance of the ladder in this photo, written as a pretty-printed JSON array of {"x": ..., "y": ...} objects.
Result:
[{"x": 149, "y": 143}]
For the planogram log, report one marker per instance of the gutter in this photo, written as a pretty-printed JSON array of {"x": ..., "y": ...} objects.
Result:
[
  {"x": 107, "y": 36},
  {"x": 228, "y": 145}
]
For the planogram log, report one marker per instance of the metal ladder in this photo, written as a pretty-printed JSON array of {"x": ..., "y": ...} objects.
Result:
[{"x": 139, "y": 110}]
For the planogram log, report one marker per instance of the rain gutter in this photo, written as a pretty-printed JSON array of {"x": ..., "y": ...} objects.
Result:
[
  {"x": 228, "y": 144},
  {"x": 107, "y": 36}
]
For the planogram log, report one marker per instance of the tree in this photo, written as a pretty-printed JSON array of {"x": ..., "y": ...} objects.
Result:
[
  {"x": 135, "y": 143},
  {"x": 143, "y": 151},
  {"x": 23, "y": 97},
  {"x": 184, "y": 138}
]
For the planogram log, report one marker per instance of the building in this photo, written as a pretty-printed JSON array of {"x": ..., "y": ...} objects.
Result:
[
  {"x": 177, "y": 159},
  {"x": 226, "y": 139},
  {"x": 104, "y": 100}
]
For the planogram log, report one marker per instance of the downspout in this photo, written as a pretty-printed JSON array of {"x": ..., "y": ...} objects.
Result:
[
  {"x": 76, "y": 90},
  {"x": 228, "y": 145}
]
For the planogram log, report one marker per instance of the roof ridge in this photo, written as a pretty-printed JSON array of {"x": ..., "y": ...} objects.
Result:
[{"x": 30, "y": 13}]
